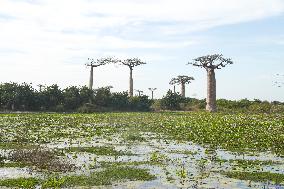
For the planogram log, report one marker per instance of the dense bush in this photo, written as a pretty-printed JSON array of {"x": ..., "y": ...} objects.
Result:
[
  {"x": 171, "y": 101},
  {"x": 23, "y": 97},
  {"x": 140, "y": 103}
]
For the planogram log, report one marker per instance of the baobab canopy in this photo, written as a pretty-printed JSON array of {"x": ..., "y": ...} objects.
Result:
[
  {"x": 132, "y": 62},
  {"x": 181, "y": 80},
  {"x": 215, "y": 61}
]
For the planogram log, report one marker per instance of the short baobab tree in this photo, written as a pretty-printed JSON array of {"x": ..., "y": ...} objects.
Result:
[
  {"x": 211, "y": 63},
  {"x": 152, "y": 92},
  {"x": 131, "y": 63},
  {"x": 139, "y": 92},
  {"x": 96, "y": 63},
  {"x": 181, "y": 80}
]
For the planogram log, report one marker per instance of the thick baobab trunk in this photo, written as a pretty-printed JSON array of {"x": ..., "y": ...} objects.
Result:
[
  {"x": 183, "y": 89},
  {"x": 130, "y": 84},
  {"x": 211, "y": 91},
  {"x": 91, "y": 78}
]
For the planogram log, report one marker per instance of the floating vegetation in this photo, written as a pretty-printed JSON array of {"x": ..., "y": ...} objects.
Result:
[
  {"x": 105, "y": 177},
  {"x": 168, "y": 150},
  {"x": 256, "y": 176}
]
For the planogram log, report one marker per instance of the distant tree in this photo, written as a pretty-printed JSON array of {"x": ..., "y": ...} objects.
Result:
[
  {"x": 210, "y": 63},
  {"x": 119, "y": 101},
  {"x": 140, "y": 92},
  {"x": 72, "y": 98},
  {"x": 52, "y": 97},
  {"x": 131, "y": 63},
  {"x": 102, "y": 97},
  {"x": 152, "y": 92},
  {"x": 171, "y": 101},
  {"x": 86, "y": 95},
  {"x": 140, "y": 103},
  {"x": 15, "y": 96},
  {"x": 181, "y": 80}
]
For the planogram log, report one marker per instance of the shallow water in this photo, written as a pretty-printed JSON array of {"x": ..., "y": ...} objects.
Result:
[{"x": 173, "y": 157}]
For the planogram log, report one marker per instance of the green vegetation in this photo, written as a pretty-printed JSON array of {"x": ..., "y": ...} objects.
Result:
[
  {"x": 256, "y": 176},
  {"x": 157, "y": 142},
  {"x": 111, "y": 174},
  {"x": 20, "y": 182},
  {"x": 105, "y": 177},
  {"x": 23, "y": 97}
]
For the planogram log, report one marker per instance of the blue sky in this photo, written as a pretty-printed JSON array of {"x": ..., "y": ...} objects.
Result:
[{"x": 49, "y": 41}]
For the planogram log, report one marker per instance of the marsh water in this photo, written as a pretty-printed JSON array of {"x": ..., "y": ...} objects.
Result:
[{"x": 176, "y": 164}]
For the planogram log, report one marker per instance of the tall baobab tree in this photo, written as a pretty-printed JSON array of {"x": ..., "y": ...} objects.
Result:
[
  {"x": 96, "y": 63},
  {"x": 210, "y": 63},
  {"x": 152, "y": 92},
  {"x": 182, "y": 80},
  {"x": 131, "y": 63}
]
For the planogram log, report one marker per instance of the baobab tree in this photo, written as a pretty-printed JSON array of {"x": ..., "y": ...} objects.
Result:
[
  {"x": 131, "y": 63},
  {"x": 181, "y": 80},
  {"x": 139, "y": 92},
  {"x": 96, "y": 63},
  {"x": 210, "y": 63},
  {"x": 152, "y": 92}
]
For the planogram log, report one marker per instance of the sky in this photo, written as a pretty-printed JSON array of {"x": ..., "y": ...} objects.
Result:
[{"x": 49, "y": 42}]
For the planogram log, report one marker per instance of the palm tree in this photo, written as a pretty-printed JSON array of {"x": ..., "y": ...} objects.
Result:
[
  {"x": 182, "y": 80},
  {"x": 210, "y": 63}
]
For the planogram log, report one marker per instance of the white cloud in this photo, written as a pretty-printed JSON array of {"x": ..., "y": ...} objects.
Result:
[{"x": 57, "y": 36}]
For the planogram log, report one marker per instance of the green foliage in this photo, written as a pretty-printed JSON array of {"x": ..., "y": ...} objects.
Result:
[
  {"x": 23, "y": 97},
  {"x": 15, "y": 96},
  {"x": 109, "y": 175},
  {"x": 140, "y": 103},
  {"x": 256, "y": 176},
  {"x": 171, "y": 101},
  {"x": 54, "y": 182},
  {"x": 72, "y": 98},
  {"x": 20, "y": 182},
  {"x": 52, "y": 96},
  {"x": 120, "y": 101},
  {"x": 102, "y": 97}
]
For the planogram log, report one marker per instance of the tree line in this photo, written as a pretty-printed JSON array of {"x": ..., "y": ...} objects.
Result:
[{"x": 23, "y": 97}]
